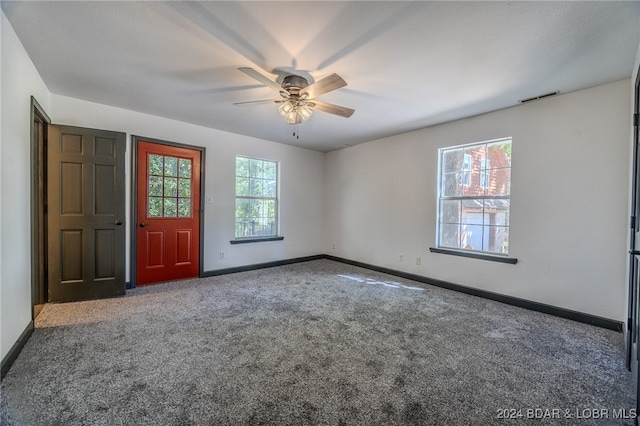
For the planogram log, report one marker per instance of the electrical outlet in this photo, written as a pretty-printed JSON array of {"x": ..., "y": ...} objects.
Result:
[
  {"x": 401, "y": 258},
  {"x": 418, "y": 261},
  {"x": 334, "y": 246},
  {"x": 221, "y": 255}
]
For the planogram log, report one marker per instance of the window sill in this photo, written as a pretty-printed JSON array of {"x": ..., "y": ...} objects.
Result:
[
  {"x": 475, "y": 255},
  {"x": 256, "y": 240}
]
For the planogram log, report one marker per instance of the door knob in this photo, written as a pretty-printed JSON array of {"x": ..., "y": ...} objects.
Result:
[
  {"x": 142, "y": 225},
  {"x": 118, "y": 222}
]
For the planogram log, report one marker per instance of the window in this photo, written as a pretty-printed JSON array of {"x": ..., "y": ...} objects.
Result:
[
  {"x": 256, "y": 198},
  {"x": 474, "y": 197},
  {"x": 169, "y": 186}
]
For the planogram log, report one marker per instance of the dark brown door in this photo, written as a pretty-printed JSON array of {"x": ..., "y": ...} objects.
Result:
[
  {"x": 633, "y": 309},
  {"x": 86, "y": 213},
  {"x": 168, "y": 213}
]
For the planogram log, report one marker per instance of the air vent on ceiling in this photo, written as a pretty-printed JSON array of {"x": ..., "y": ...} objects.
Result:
[{"x": 535, "y": 98}]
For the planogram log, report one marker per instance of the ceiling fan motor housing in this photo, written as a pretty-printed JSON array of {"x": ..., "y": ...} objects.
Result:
[{"x": 293, "y": 83}]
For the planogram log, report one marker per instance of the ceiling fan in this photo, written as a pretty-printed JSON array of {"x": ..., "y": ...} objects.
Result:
[{"x": 298, "y": 97}]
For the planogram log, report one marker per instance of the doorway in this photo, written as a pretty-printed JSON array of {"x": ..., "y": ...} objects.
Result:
[
  {"x": 77, "y": 212},
  {"x": 39, "y": 125},
  {"x": 167, "y": 211}
]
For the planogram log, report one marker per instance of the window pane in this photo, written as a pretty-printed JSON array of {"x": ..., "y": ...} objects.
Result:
[
  {"x": 184, "y": 168},
  {"x": 452, "y": 161},
  {"x": 170, "y": 207},
  {"x": 266, "y": 227},
  {"x": 242, "y": 208},
  {"x": 255, "y": 168},
  {"x": 242, "y": 166},
  {"x": 471, "y": 238},
  {"x": 498, "y": 239},
  {"x": 449, "y": 236},
  {"x": 472, "y": 184},
  {"x": 499, "y": 153},
  {"x": 498, "y": 209},
  {"x": 170, "y": 166},
  {"x": 270, "y": 170},
  {"x": 155, "y": 164},
  {"x": 450, "y": 211},
  {"x": 470, "y": 211},
  {"x": 155, "y": 186},
  {"x": 241, "y": 229},
  {"x": 452, "y": 185},
  {"x": 184, "y": 207},
  {"x": 499, "y": 182},
  {"x": 255, "y": 187},
  {"x": 155, "y": 207},
  {"x": 256, "y": 208},
  {"x": 242, "y": 187},
  {"x": 475, "y": 155},
  {"x": 170, "y": 187},
  {"x": 184, "y": 187},
  {"x": 269, "y": 188},
  {"x": 269, "y": 207}
]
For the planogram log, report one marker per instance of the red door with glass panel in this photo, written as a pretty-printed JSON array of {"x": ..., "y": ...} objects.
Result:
[{"x": 168, "y": 213}]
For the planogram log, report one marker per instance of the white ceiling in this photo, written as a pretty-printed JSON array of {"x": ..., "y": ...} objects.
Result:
[{"x": 408, "y": 65}]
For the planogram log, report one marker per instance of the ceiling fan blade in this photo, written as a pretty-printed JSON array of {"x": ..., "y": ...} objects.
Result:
[
  {"x": 265, "y": 101},
  {"x": 331, "y": 108},
  {"x": 327, "y": 84},
  {"x": 262, "y": 79}
]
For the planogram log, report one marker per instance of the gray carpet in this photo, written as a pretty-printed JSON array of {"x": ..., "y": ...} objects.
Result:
[{"x": 312, "y": 343}]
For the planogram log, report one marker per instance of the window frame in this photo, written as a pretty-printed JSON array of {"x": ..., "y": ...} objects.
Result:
[
  {"x": 482, "y": 253},
  {"x": 276, "y": 199}
]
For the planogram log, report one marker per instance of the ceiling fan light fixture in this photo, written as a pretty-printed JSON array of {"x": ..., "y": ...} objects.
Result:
[
  {"x": 292, "y": 117},
  {"x": 305, "y": 112},
  {"x": 285, "y": 108}
]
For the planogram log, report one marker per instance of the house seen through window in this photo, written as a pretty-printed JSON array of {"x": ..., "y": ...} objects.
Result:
[
  {"x": 256, "y": 198},
  {"x": 474, "y": 197}
]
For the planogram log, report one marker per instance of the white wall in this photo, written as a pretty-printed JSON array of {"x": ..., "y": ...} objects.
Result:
[
  {"x": 569, "y": 209},
  {"x": 302, "y": 180},
  {"x": 20, "y": 81}
]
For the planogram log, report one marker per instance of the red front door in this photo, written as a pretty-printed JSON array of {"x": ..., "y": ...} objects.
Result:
[{"x": 168, "y": 213}]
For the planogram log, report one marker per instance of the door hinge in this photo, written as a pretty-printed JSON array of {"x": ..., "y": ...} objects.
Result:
[
  {"x": 628, "y": 324},
  {"x": 636, "y": 120},
  {"x": 632, "y": 222}
]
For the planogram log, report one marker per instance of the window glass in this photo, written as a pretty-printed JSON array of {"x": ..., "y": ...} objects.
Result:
[{"x": 168, "y": 194}]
